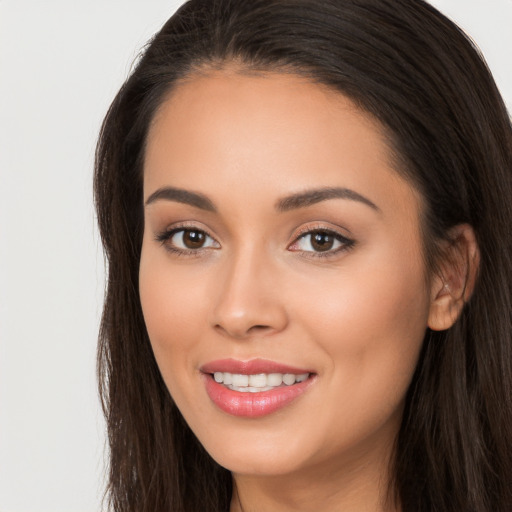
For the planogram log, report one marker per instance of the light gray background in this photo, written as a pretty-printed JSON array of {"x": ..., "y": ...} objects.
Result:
[{"x": 61, "y": 62}]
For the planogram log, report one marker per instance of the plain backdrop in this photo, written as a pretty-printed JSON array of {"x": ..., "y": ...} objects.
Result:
[{"x": 61, "y": 62}]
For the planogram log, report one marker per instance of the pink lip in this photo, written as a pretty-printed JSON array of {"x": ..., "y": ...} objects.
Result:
[
  {"x": 252, "y": 405},
  {"x": 252, "y": 367}
]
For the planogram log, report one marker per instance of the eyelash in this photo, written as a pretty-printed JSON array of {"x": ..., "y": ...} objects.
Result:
[
  {"x": 345, "y": 243},
  {"x": 165, "y": 236}
]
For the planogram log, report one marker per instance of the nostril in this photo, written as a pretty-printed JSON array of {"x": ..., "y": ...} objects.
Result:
[
  {"x": 258, "y": 328},
  {"x": 242, "y": 332}
]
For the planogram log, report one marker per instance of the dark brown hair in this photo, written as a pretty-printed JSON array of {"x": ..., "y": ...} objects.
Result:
[{"x": 422, "y": 78}]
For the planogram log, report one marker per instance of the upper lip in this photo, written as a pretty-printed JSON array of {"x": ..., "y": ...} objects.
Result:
[{"x": 251, "y": 367}]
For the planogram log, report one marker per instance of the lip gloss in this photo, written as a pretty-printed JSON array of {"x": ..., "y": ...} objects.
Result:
[{"x": 252, "y": 404}]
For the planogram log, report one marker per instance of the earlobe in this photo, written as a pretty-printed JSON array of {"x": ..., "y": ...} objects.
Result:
[{"x": 454, "y": 282}]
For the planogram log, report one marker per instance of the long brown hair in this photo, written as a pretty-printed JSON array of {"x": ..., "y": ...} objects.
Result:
[{"x": 422, "y": 78}]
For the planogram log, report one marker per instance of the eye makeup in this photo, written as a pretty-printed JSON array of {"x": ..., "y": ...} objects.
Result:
[
  {"x": 321, "y": 243},
  {"x": 186, "y": 240},
  {"x": 312, "y": 242}
]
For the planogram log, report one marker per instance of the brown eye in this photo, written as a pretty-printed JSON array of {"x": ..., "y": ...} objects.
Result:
[
  {"x": 193, "y": 239},
  {"x": 187, "y": 240},
  {"x": 322, "y": 241}
]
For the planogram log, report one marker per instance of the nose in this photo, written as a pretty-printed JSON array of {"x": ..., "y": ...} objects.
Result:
[{"x": 249, "y": 302}]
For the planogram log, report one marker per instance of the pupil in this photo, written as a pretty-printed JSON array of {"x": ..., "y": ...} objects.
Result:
[
  {"x": 322, "y": 241},
  {"x": 193, "y": 239}
]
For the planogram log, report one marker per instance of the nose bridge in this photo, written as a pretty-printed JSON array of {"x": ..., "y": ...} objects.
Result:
[{"x": 248, "y": 301}]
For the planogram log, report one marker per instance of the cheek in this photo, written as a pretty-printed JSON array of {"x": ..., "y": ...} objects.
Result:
[
  {"x": 173, "y": 304},
  {"x": 369, "y": 327},
  {"x": 374, "y": 306},
  {"x": 370, "y": 322}
]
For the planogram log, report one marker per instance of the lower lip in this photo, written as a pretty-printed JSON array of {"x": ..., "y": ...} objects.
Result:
[{"x": 253, "y": 405}]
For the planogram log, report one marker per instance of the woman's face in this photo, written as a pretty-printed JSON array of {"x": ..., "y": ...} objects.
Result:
[{"x": 280, "y": 243}]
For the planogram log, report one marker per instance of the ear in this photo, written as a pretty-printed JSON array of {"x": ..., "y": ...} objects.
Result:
[{"x": 454, "y": 281}]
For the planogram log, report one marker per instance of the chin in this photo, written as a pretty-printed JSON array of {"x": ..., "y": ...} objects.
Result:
[
  {"x": 258, "y": 463},
  {"x": 259, "y": 454}
]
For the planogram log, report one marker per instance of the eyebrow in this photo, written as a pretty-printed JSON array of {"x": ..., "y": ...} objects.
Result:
[
  {"x": 181, "y": 196},
  {"x": 291, "y": 202},
  {"x": 310, "y": 197}
]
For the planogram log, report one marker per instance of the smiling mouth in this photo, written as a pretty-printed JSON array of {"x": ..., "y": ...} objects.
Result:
[
  {"x": 253, "y": 395},
  {"x": 254, "y": 388},
  {"x": 258, "y": 382}
]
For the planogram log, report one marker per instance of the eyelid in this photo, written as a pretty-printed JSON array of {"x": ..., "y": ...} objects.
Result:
[
  {"x": 166, "y": 234},
  {"x": 323, "y": 226},
  {"x": 346, "y": 242}
]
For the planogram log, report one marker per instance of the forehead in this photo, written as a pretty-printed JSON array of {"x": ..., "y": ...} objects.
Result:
[{"x": 266, "y": 133}]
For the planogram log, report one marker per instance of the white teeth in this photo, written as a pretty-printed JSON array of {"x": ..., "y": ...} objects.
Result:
[
  {"x": 289, "y": 379},
  {"x": 257, "y": 382},
  {"x": 274, "y": 379},
  {"x": 250, "y": 389},
  {"x": 240, "y": 380}
]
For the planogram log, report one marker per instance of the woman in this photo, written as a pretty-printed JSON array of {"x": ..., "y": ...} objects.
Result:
[{"x": 306, "y": 212}]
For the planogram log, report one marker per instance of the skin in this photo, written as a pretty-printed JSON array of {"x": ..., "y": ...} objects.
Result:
[{"x": 257, "y": 288}]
